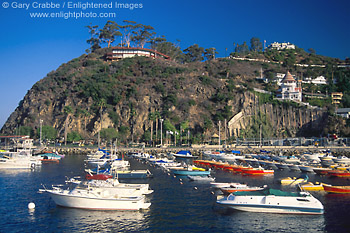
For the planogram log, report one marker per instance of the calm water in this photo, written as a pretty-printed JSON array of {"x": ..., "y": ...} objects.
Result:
[{"x": 176, "y": 207}]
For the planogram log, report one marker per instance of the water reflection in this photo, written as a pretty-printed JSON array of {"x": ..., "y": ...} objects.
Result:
[
  {"x": 97, "y": 221},
  {"x": 239, "y": 221}
]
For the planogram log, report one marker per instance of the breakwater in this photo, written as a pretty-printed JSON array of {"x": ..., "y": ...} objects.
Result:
[{"x": 198, "y": 150}]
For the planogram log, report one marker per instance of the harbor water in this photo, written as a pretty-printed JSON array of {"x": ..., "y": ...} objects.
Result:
[{"x": 178, "y": 205}]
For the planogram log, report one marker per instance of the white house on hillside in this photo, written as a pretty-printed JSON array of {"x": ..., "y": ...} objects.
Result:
[
  {"x": 320, "y": 80},
  {"x": 281, "y": 46},
  {"x": 290, "y": 89}
]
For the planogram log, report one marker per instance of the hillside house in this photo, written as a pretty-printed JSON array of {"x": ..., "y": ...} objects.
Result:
[
  {"x": 290, "y": 89},
  {"x": 320, "y": 80},
  {"x": 127, "y": 52},
  {"x": 281, "y": 46}
]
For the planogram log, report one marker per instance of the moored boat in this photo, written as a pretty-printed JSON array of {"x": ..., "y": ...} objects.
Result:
[
  {"x": 273, "y": 201},
  {"x": 94, "y": 198},
  {"x": 336, "y": 189},
  {"x": 239, "y": 188},
  {"x": 339, "y": 173},
  {"x": 309, "y": 186},
  {"x": 294, "y": 180}
]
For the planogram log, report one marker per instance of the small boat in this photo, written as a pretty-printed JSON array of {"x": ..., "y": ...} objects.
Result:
[
  {"x": 18, "y": 160},
  {"x": 222, "y": 185},
  {"x": 191, "y": 170},
  {"x": 309, "y": 186},
  {"x": 339, "y": 173},
  {"x": 201, "y": 178},
  {"x": 257, "y": 171},
  {"x": 321, "y": 170},
  {"x": 342, "y": 159},
  {"x": 100, "y": 176},
  {"x": 336, "y": 189},
  {"x": 273, "y": 201},
  {"x": 294, "y": 180},
  {"x": 306, "y": 168},
  {"x": 184, "y": 154},
  {"x": 240, "y": 188},
  {"x": 132, "y": 174}
]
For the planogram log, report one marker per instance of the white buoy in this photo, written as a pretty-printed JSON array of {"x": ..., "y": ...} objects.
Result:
[
  {"x": 195, "y": 188},
  {"x": 31, "y": 206}
]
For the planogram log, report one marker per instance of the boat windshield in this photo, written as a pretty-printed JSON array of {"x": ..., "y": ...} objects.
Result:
[{"x": 269, "y": 191}]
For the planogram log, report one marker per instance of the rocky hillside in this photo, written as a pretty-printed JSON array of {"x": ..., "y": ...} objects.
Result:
[{"x": 89, "y": 93}]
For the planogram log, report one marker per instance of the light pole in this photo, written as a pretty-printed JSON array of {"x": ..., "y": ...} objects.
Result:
[
  {"x": 41, "y": 130},
  {"x": 161, "y": 132},
  {"x": 219, "y": 133}
]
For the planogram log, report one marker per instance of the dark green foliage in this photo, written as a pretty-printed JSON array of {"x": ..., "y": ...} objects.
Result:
[
  {"x": 26, "y": 130},
  {"x": 114, "y": 117},
  {"x": 109, "y": 134},
  {"x": 205, "y": 80},
  {"x": 48, "y": 132},
  {"x": 73, "y": 136}
]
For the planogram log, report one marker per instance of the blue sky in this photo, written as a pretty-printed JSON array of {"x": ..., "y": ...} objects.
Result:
[{"x": 31, "y": 47}]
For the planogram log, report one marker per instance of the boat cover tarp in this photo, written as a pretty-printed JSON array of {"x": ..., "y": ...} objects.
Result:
[
  {"x": 268, "y": 192},
  {"x": 183, "y": 152}
]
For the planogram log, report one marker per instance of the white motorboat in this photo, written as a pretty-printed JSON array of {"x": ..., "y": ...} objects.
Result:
[
  {"x": 223, "y": 185},
  {"x": 98, "y": 198},
  {"x": 201, "y": 178},
  {"x": 184, "y": 154},
  {"x": 18, "y": 160},
  {"x": 342, "y": 160},
  {"x": 273, "y": 201}
]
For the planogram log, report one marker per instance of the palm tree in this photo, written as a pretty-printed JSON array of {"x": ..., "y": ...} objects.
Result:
[
  {"x": 151, "y": 117},
  {"x": 68, "y": 111},
  {"x": 157, "y": 117}
]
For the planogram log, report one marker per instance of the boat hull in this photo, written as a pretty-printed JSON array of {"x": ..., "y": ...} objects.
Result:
[
  {"x": 71, "y": 201},
  {"x": 336, "y": 189}
]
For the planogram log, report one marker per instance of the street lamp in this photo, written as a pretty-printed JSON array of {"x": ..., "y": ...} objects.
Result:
[
  {"x": 161, "y": 132},
  {"x": 41, "y": 126}
]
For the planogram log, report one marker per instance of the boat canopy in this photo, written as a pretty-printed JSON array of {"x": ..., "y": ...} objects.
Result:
[
  {"x": 183, "y": 152},
  {"x": 269, "y": 192}
]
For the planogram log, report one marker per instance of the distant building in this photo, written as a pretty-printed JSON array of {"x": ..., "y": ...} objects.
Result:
[
  {"x": 344, "y": 112},
  {"x": 290, "y": 89},
  {"x": 127, "y": 52},
  {"x": 281, "y": 46},
  {"x": 320, "y": 80},
  {"x": 279, "y": 77},
  {"x": 336, "y": 97}
]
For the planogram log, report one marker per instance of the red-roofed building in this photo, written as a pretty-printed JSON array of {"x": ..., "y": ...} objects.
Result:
[
  {"x": 290, "y": 89},
  {"x": 127, "y": 52}
]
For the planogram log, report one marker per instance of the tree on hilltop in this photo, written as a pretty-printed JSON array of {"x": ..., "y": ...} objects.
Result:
[
  {"x": 142, "y": 34},
  {"x": 210, "y": 53},
  {"x": 194, "y": 53},
  {"x": 127, "y": 30},
  {"x": 94, "y": 40},
  {"x": 255, "y": 44},
  {"x": 109, "y": 32}
]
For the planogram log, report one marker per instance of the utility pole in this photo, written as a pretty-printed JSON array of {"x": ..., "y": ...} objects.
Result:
[
  {"x": 41, "y": 130},
  {"x": 161, "y": 132},
  {"x": 219, "y": 133}
]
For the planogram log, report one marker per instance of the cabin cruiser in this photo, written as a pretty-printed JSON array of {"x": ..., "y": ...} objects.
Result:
[{"x": 273, "y": 201}]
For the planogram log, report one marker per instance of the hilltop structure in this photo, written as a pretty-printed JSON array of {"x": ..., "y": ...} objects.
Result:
[
  {"x": 128, "y": 52},
  {"x": 281, "y": 46}
]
